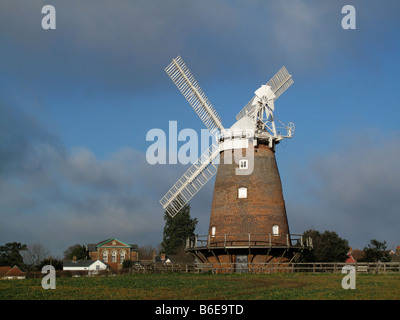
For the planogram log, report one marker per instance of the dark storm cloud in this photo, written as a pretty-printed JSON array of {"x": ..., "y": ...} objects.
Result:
[
  {"x": 118, "y": 44},
  {"x": 352, "y": 190},
  {"x": 59, "y": 196},
  {"x": 67, "y": 202},
  {"x": 125, "y": 44},
  {"x": 19, "y": 132}
]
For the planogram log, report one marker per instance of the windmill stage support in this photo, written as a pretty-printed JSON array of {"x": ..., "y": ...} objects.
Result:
[{"x": 258, "y": 249}]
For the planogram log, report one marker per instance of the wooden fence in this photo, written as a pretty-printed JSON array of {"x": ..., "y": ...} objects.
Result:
[{"x": 316, "y": 267}]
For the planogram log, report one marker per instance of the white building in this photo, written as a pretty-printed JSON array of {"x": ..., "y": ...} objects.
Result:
[{"x": 92, "y": 266}]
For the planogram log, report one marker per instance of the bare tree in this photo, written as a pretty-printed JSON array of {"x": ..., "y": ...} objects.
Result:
[
  {"x": 34, "y": 254},
  {"x": 146, "y": 252}
]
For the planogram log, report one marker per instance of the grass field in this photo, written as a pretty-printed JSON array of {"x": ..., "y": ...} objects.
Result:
[{"x": 287, "y": 286}]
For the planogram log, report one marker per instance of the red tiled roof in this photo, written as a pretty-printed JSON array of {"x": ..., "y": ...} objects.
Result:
[
  {"x": 10, "y": 272},
  {"x": 4, "y": 270},
  {"x": 350, "y": 259}
]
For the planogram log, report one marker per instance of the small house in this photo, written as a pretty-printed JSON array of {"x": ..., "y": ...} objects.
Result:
[
  {"x": 91, "y": 266},
  {"x": 11, "y": 273}
]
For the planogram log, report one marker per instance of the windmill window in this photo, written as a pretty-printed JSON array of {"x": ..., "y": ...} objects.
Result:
[
  {"x": 242, "y": 193},
  {"x": 213, "y": 229},
  {"x": 275, "y": 230},
  {"x": 243, "y": 164}
]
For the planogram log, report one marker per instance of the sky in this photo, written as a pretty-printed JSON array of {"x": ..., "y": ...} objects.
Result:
[{"x": 77, "y": 101}]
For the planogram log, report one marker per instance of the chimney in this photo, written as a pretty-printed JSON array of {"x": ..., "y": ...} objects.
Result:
[{"x": 74, "y": 259}]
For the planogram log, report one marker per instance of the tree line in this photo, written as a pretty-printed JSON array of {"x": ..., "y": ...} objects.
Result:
[
  {"x": 327, "y": 247},
  {"x": 35, "y": 256}
]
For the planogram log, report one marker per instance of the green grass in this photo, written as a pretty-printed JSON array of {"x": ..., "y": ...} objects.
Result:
[{"x": 288, "y": 286}]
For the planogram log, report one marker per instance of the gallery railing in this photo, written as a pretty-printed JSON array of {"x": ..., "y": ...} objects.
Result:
[{"x": 248, "y": 240}]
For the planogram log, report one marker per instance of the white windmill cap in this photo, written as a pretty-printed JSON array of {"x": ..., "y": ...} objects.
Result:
[{"x": 265, "y": 93}]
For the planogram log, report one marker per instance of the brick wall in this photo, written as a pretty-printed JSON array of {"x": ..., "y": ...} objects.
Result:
[
  {"x": 117, "y": 247},
  {"x": 264, "y": 206}
]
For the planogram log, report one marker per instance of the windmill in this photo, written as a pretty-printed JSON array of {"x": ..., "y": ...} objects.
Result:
[{"x": 248, "y": 209}]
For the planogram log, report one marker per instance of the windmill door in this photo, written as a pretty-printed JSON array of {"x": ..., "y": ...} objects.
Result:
[{"x": 241, "y": 264}]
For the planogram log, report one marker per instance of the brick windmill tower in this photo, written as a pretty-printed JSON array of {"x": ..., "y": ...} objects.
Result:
[{"x": 248, "y": 222}]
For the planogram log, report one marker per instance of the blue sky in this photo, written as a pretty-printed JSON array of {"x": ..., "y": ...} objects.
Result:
[{"x": 76, "y": 104}]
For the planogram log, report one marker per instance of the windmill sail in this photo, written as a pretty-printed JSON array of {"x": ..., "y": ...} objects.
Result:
[
  {"x": 187, "y": 84},
  {"x": 278, "y": 83},
  {"x": 191, "y": 182}
]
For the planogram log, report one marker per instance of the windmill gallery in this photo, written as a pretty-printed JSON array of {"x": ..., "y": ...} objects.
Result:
[{"x": 248, "y": 221}]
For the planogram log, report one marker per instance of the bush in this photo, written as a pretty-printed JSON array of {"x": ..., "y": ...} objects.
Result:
[{"x": 127, "y": 264}]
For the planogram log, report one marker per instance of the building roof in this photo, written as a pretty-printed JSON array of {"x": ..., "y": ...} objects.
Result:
[
  {"x": 7, "y": 271},
  {"x": 4, "y": 270},
  {"x": 79, "y": 263},
  {"x": 350, "y": 259},
  {"x": 93, "y": 246},
  {"x": 175, "y": 258}
]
